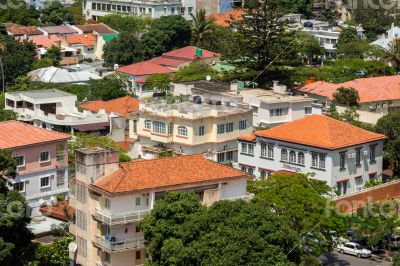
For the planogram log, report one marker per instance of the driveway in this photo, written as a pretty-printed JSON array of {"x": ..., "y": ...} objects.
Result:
[{"x": 337, "y": 259}]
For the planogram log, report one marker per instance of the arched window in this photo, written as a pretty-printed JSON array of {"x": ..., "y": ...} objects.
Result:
[
  {"x": 182, "y": 131},
  {"x": 284, "y": 155},
  {"x": 292, "y": 156},
  {"x": 300, "y": 158}
]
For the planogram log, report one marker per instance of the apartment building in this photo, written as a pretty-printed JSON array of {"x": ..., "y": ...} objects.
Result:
[
  {"x": 342, "y": 155},
  {"x": 111, "y": 198},
  {"x": 189, "y": 128},
  {"x": 42, "y": 163},
  {"x": 54, "y": 109},
  {"x": 378, "y": 95},
  {"x": 270, "y": 107}
]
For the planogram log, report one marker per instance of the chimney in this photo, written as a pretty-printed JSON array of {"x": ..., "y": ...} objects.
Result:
[{"x": 94, "y": 163}]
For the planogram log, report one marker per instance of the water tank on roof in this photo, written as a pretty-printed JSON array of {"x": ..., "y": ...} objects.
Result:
[{"x": 199, "y": 52}]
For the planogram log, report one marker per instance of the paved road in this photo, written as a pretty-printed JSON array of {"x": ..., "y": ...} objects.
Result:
[{"x": 337, "y": 259}]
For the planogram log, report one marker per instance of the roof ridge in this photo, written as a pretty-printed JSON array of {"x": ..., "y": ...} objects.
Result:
[{"x": 163, "y": 158}]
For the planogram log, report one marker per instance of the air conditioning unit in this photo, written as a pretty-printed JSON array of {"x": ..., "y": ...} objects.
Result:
[
  {"x": 365, "y": 153},
  {"x": 351, "y": 156}
]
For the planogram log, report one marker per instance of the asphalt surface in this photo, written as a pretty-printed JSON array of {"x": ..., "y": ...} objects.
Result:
[{"x": 337, "y": 259}]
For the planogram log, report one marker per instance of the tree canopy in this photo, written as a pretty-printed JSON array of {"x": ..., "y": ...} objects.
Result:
[
  {"x": 126, "y": 24},
  {"x": 346, "y": 96},
  {"x": 57, "y": 14}
]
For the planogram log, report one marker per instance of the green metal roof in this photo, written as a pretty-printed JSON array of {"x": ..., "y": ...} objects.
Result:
[{"x": 108, "y": 37}]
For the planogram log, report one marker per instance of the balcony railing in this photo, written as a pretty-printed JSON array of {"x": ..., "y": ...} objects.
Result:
[
  {"x": 246, "y": 197},
  {"x": 122, "y": 245},
  {"x": 120, "y": 218}
]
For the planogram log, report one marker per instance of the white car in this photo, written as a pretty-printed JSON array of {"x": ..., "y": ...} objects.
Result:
[{"x": 354, "y": 249}]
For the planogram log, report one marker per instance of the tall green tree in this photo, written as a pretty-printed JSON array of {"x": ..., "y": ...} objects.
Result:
[
  {"x": 18, "y": 11},
  {"x": 127, "y": 24},
  {"x": 347, "y": 35},
  {"x": 123, "y": 50},
  {"x": 201, "y": 26},
  {"x": 346, "y": 96},
  {"x": 57, "y": 14},
  {"x": 393, "y": 54},
  {"x": 54, "y": 55}
]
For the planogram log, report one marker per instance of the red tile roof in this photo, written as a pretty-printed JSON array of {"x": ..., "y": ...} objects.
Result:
[
  {"x": 224, "y": 19},
  {"x": 249, "y": 138},
  {"x": 16, "y": 134},
  {"x": 100, "y": 28},
  {"x": 144, "y": 68},
  {"x": 44, "y": 41},
  {"x": 122, "y": 106},
  {"x": 60, "y": 210},
  {"x": 372, "y": 89},
  {"x": 85, "y": 39},
  {"x": 189, "y": 53},
  {"x": 168, "y": 62},
  {"x": 320, "y": 131},
  {"x": 16, "y": 29},
  {"x": 186, "y": 170}
]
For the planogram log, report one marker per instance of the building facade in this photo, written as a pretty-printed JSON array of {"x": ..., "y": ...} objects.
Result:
[
  {"x": 342, "y": 155},
  {"x": 42, "y": 162},
  {"x": 110, "y": 199},
  {"x": 189, "y": 128}
]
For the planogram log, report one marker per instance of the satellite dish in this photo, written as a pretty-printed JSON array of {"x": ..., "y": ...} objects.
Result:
[
  {"x": 72, "y": 247},
  {"x": 208, "y": 78}
]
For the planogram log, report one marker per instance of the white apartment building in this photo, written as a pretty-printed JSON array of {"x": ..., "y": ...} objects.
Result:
[
  {"x": 270, "y": 107},
  {"x": 54, "y": 109},
  {"x": 342, "y": 155},
  {"x": 386, "y": 40},
  {"x": 111, "y": 198},
  {"x": 189, "y": 128}
]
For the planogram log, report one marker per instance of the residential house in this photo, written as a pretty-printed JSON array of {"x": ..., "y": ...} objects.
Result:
[
  {"x": 189, "y": 128},
  {"x": 270, "y": 107},
  {"x": 228, "y": 18},
  {"x": 378, "y": 95},
  {"x": 61, "y": 76},
  {"x": 386, "y": 40},
  {"x": 56, "y": 110},
  {"x": 118, "y": 111},
  {"x": 111, "y": 198},
  {"x": 20, "y": 31},
  {"x": 60, "y": 30},
  {"x": 42, "y": 163},
  {"x": 342, "y": 155},
  {"x": 84, "y": 44}
]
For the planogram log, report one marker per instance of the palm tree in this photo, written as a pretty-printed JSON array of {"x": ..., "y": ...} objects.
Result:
[{"x": 201, "y": 26}]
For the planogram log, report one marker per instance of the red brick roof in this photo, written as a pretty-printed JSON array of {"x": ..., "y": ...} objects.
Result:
[
  {"x": 16, "y": 29},
  {"x": 144, "y": 68},
  {"x": 372, "y": 89},
  {"x": 16, "y": 134},
  {"x": 122, "y": 106},
  {"x": 44, "y": 41},
  {"x": 224, "y": 19},
  {"x": 85, "y": 39},
  {"x": 100, "y": 28},
  {"x": 320, "y": 131},
  {"x": 168, "y": 62},
  {"x": 189, "y": 53},
  {"x": 249, "y": 138},
  {"x": 58, "y": 210},
  {"x": 165, "y": 172}
]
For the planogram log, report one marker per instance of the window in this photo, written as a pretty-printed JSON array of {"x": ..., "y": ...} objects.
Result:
[
  {"x": 292, "y": 156},
  {"x": 44, "y": 156},
  {"x": 182, "y": 131},
  {"x": 107, "y": 203},
  {"x": 137, "y": 229},
  {"x": 242, "y": 124},
  {"x": 263, "y": 174},
  {"x": 243, "y": 168},
  {"x": 182, "y": 10},
  {"x": 372, "y": 153},
  {"x": 81, "y": 219},
  {"x": 250, "y": 170},
  {"x": 358, "y": 157},
  {"x": 137, "y": 201},
  {"x": 322, "y": 161},
  {"x": 147, "y": 201},
  {"x": 170, "y": 128},
  {"x": 201, "y": 131},
  {"x": 244, "y": 148},
  {"x": 278, "y": 112},
  {"x": 248, "y": 148},
  {"x": 314, "y": 159},
  {"x": 159, "y": 127},
  {"x": 220, "y": 157},
  {"x": 147, "y": 124},
  {"x": 138, "y": 255},
  {"x": 229, "y": 156},
  {"x": 342, "y": 161},
  {"x": 10, "y": 103},
  {"x": 60, "y": 177},
  {"x": 342, "y": 187},
  {"x": 165, "y": 10},
  {"x": 20, "y": 186},
  {"x": 372, "y": 176},
  {"x": 45, "y": 182},
  {"x": 20, "y": 159},
  {"x": 300, "y": 158},
  {"x": 229, "y": 127},
  {"x": 190, "y": 10},
  {"x": 307, "y": 110},
  {"x": 221, "y": 129},
  {"x": 284, "y": 155},
  {"x": 172, "y": 10},
  {"x": 267, "y": 151},
  {"x": 251, "y": 149},
  {"x": 94, "y": 6}
]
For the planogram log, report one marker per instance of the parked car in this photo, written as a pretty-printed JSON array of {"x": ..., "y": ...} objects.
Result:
[
  {"x": 354, "y": 249},
  {"x": 392, "y": 240},
  {"x": 378, "y": 248}
]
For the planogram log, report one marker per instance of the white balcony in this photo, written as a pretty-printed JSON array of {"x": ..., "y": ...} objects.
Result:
[
  {"x": 119, "y": 245},
  {"x": 120, "y": 218},
  {"x": 246, "y": 197}
]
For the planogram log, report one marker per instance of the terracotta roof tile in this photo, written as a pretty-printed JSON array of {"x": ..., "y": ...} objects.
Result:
[
  {"x": 15, "y": 134},
  {"x": 58, "y": 210},
  {"x": 100, "y": 28},
  {"x": 16, "y": 29},
  {"x": 44, "y": 41},
  {"x": 369, "y": 89},
  {"x": 122, "y": 106},
  {"x": 224, "y": 19},
  {"x": 320, "y": 131},
  {"x": 189, "y": 53},
  {"x": 168, "y": 62},
  {"x": 144, "y": 68},
  {"x": 60, "y": 29},
  {"x": 85, "y": 39},
  {"x": 165, "y": 172},
  {"x": 250, "y": 138}
]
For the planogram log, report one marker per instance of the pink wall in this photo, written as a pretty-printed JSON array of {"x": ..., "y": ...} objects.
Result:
[{"x": 32, "y": 156}]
